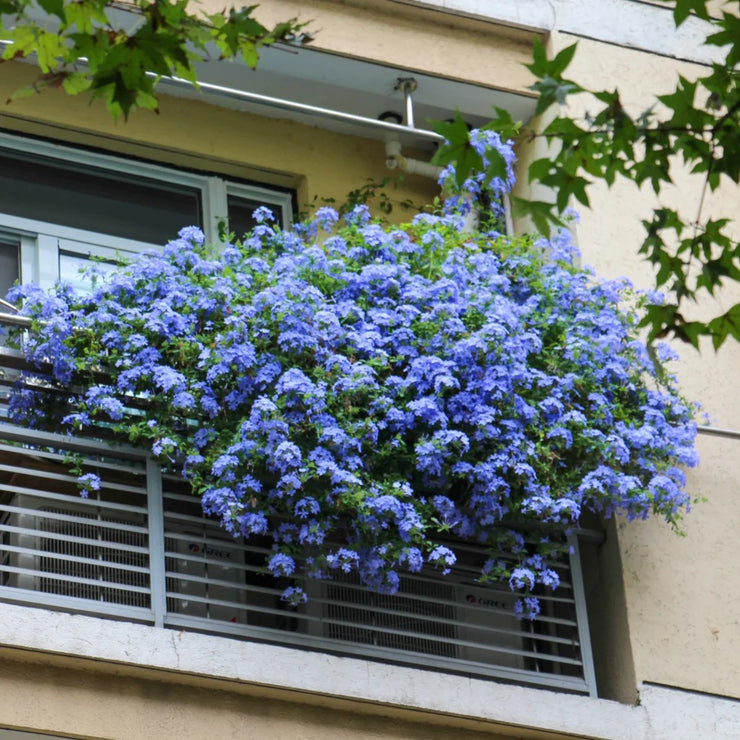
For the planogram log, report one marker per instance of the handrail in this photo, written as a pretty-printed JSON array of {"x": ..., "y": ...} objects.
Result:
[
  {"x": 718, "y": 432},
  {"x": 14, "y": 320},
  {"x": 16, "y": 433},
  {"x": 24, "y": 322},
  {"x": 313, "y": 110}
]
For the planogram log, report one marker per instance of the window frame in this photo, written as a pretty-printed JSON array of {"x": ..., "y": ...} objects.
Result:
[{"x": 41, "y": 241}]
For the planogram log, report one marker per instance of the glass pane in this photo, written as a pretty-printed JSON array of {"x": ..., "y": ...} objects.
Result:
[
  {"x": 72, "y": 270},
  {"x": 85, "y": 198},
  {"x": 241, "y": 214},
  {"x": 9, "y": 265}
]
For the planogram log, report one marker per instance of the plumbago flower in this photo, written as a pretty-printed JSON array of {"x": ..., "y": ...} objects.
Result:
[{"x": 368, "y": 400}]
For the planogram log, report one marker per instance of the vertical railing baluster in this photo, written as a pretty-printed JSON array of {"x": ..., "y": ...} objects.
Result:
[
  {"x": 579, "y": 595},
  {"x": 157, "y": 576}
]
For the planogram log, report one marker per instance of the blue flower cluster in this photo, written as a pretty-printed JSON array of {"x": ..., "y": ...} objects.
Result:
[{"x": 368, "y": 400}]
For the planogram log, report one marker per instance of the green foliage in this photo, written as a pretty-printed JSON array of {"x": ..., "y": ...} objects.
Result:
[
  {"x": 458, "y": 150},
  {"x": 374, "y": 192},
  {"x": 119, "y": 53},
  {"x": 378, "y": 195},
  {"x": 696, "y": 126}
]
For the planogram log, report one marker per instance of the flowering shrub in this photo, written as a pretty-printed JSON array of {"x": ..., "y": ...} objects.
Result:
[{"x": 366, "y": 398}]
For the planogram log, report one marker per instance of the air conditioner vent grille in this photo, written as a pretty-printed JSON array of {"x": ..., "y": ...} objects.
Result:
[
  {"x": 80, "y": 572},
  {"x": 355, "y": 615}
]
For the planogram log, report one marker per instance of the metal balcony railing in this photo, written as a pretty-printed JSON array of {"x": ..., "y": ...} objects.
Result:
[{"x": 140, "y": 549}]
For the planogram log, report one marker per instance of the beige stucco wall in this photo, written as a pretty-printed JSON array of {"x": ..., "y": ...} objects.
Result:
[
  {"x": 410, "y": 38},
  {"x": 69, "y": 698}
]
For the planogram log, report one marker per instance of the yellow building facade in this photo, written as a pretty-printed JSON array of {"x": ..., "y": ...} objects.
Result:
[{"x": 663, "y": 612}]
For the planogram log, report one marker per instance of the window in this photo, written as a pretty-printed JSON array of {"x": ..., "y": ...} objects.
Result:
[
  {"x": 9, "y": 261},
  {"x": 69, "y": 194},
  {"x": 61, "y": 206}
]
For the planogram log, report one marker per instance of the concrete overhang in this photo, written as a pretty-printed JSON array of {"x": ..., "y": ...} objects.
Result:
[{"x": 359, "y": 88}]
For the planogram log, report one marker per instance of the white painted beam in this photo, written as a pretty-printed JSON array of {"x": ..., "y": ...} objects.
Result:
[{"x": 530, "y": 15}]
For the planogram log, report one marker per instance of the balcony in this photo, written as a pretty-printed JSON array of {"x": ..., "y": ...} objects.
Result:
[{"x": 141, "y": 550}]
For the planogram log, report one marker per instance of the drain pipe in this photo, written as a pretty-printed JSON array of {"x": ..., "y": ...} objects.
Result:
[{"x": 394, "y": 159}]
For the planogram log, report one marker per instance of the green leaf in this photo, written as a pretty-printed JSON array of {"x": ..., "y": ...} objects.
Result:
[
  {"x": 550, "y": 85},
  {"x": 538, "y": 67},
  {"x": 249, "y": 53},
  {"x": 49, "y": 49},
  {"x": 552, "y": 91},
  {"x": 684, "y": 8},
  {"x": 23, "y": 40},
  {"x": 53, "y": 7},
  {"x": 561, "y": 61},
  {"x": 690, "y": 331},
  {"x": 578, "y": 189},
  {"x": 504, "y": 124},
  {"x": 75, "y": 83},
  {"x": 496, "y": 166},
  {"x": 540, "y": 212},
  {"x": 83, "y": 16},
  {"x": 539, "y": 169},
  {"x": 147, "y": 101},
  {"x": 458, "y": 149},
  {"x": 22, "y": 92},
  {"x": 726, "y": 325}
]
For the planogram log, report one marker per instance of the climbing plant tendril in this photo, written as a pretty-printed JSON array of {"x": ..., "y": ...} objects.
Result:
[{"x": 367, "y": 396}]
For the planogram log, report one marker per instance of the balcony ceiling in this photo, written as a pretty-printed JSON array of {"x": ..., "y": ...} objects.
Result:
[{"x": 362, "y": 88}]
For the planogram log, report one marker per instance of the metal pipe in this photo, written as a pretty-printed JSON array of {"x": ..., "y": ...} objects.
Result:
[
  {"x": 14, "y": 320},
  {"x": 409, "y": 111},
  {"x": 407, "y": 85},
  {"x": 269, "y": 101},
  {"x": 719, "y": 432}
]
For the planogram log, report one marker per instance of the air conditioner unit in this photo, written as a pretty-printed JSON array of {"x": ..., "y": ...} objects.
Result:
[
  {"x": 488, "y": 628},
  {"x": 446, "y": 616},
  {"x": 205, "y": 574},
  {"x": 76, "y": 550},
  {"x": 215, "y": 578}
]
